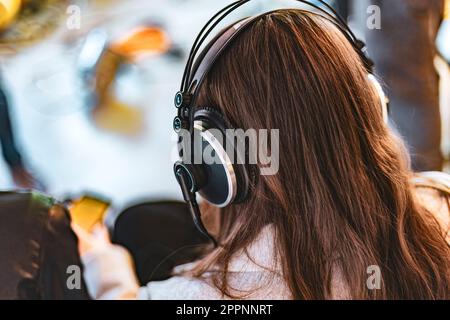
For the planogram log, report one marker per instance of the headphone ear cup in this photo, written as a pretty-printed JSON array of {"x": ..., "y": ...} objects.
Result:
[
  {"x": 196, "y": 174},
  {"x": 233, "y": 173}
]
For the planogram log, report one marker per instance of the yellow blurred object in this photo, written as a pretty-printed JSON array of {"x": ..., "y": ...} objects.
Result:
[
  {"x": 142, "y": 41},
  {"x": 8, "y": 11},
  {"x": 35, "y": 21},
  {"x": 447, "y": 10},
  {"x": 106, "y": 74},
  {"x": 87, "y": 212},
  {"x": 119, "y": 117},
  {"x": 109, "y": 113}
]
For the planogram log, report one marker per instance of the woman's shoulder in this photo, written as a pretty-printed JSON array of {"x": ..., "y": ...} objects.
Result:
[
  {"x": 179, "y": 288},
  {"x": 254, "y": 273},
  {"x": 244, "y": 285}
]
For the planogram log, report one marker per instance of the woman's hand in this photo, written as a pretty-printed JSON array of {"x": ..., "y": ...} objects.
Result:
[
  {"x": 108, "y": 269},
  {"x": 87, "y": 241}
]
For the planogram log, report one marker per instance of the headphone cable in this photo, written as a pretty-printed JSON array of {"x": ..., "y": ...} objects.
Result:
[{"x": 190, "y": 198}]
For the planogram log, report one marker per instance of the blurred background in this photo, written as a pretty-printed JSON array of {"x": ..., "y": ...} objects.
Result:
[{"x": 89, "y": 87}]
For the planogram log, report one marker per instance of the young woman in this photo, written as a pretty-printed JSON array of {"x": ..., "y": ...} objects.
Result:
[{"x": 343, "y": 202}]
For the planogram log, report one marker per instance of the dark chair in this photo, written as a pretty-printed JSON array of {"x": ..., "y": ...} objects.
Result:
[{"x": 160, "y": 236}]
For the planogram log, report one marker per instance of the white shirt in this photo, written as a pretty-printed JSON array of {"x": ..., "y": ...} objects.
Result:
[
  {"x": 109, "y": 275},
  {"x": 109, "y": 271}
]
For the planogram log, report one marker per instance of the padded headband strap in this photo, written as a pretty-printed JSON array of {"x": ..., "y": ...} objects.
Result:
[
  {"x": 218, "y": 45},
  {"x": 212, "y": 52}
]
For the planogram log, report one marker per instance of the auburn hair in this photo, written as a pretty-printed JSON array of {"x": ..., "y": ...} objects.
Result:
[{"x": 343, "y": 196}]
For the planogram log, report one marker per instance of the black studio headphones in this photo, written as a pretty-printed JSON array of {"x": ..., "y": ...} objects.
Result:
[{"x": 225, "y": 182}]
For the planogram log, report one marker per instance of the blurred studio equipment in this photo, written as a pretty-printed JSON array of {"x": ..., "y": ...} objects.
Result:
[
  {"x": 22, "y": 23},
  {"x": 25, "y": 22},
  {"x": 404, "y": 51},
  {"x": 444, "y": 34},
  {"x": 8, "y": 12},
  {"x": 21, "y": 176},
  {"x": 443, "y": 66},
  {"x": 103, "y": 61}
]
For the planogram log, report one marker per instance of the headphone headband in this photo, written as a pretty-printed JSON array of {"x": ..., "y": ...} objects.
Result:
[
  {"x": 196, "y": 71},
  {"x": 323, "y": 7},
  {"x": 212, "y": 53}
]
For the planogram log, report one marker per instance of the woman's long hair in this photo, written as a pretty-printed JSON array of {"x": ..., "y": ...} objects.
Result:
[{"x": 342, "y": 199}]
